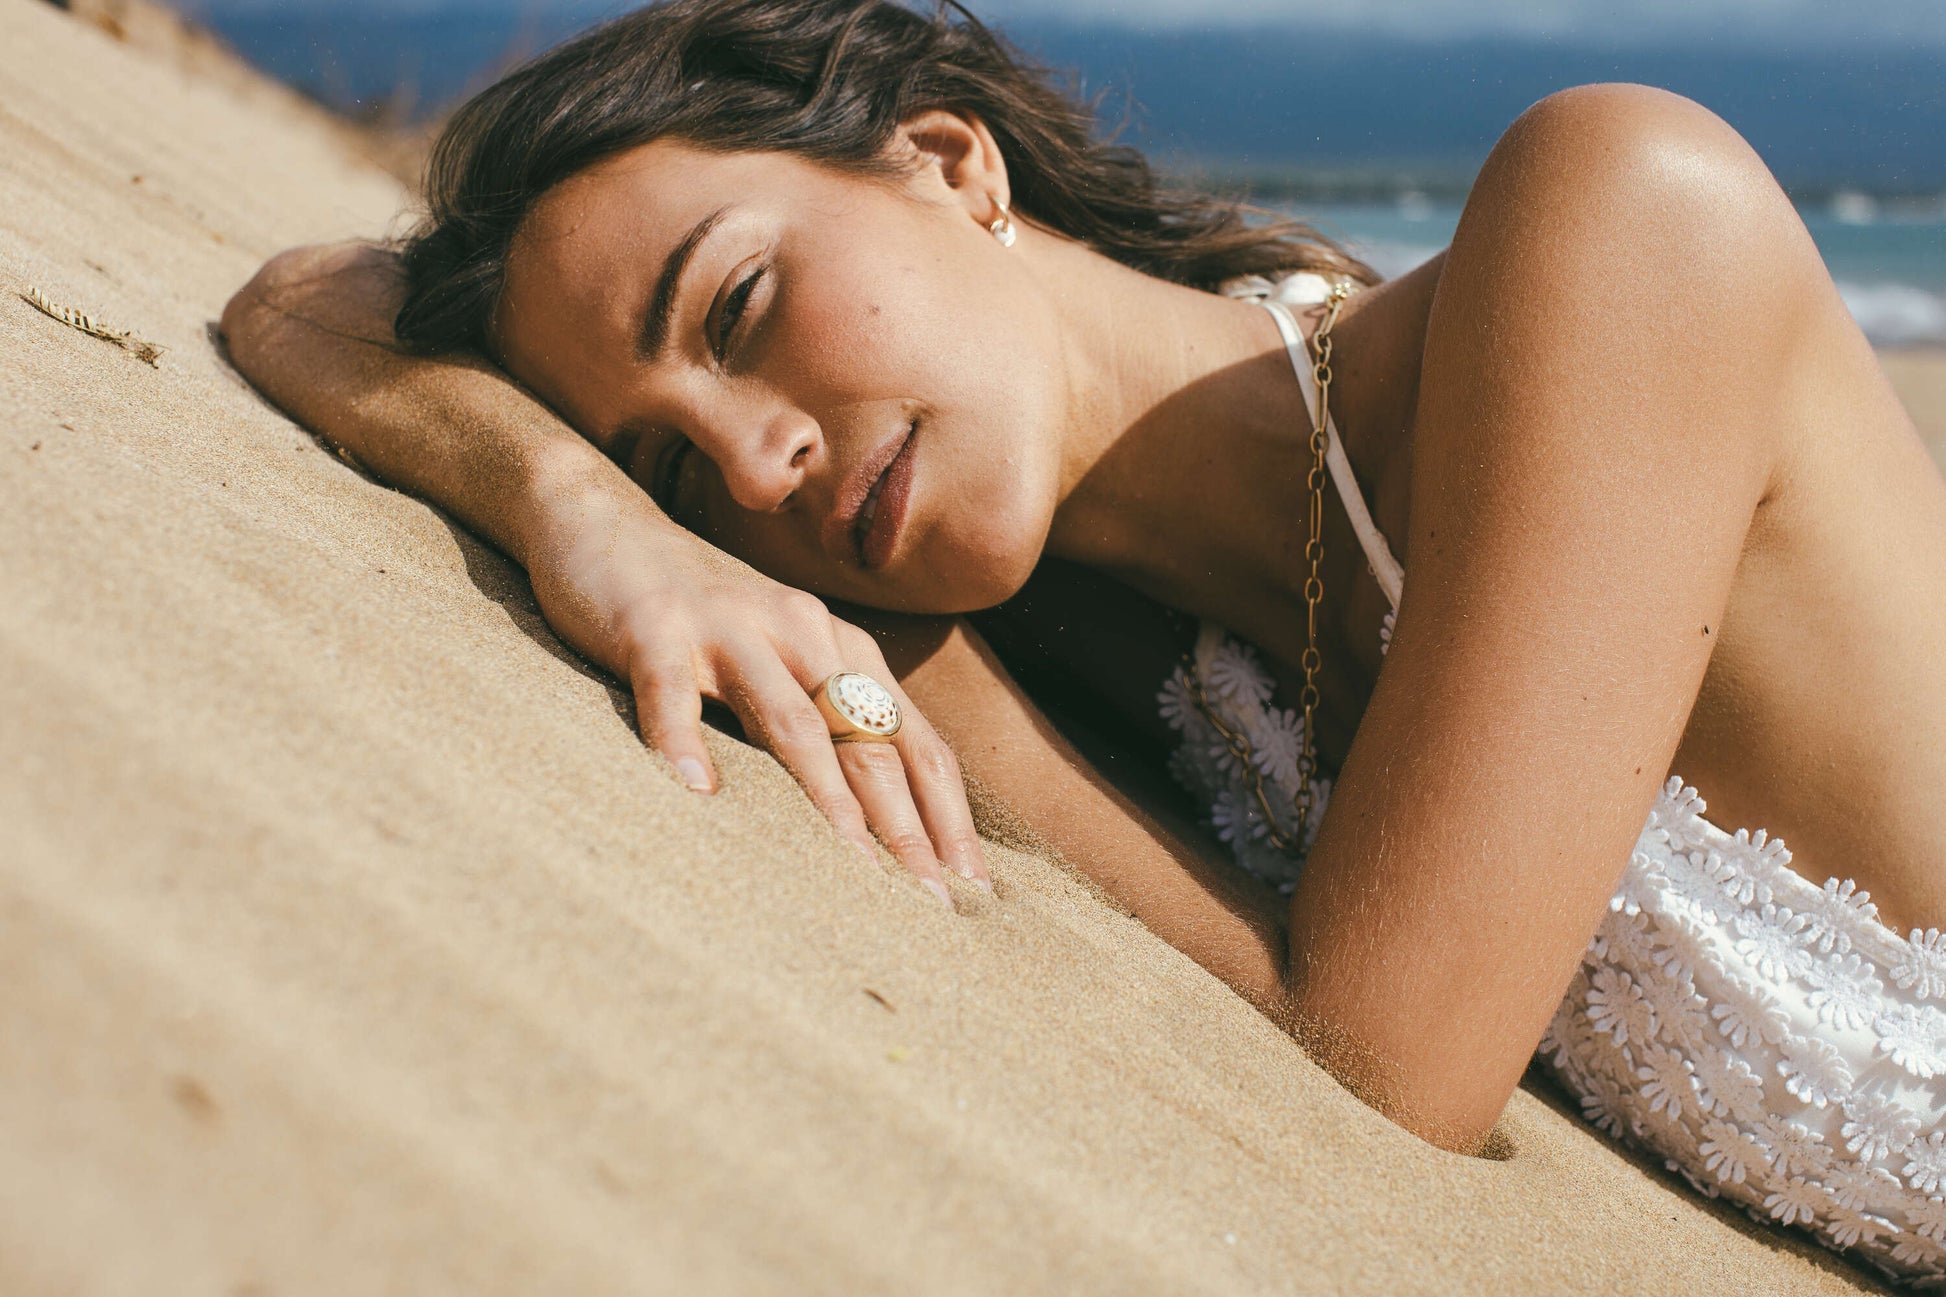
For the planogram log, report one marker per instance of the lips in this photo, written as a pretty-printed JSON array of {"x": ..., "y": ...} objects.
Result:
[
  {"x": 871, "y": 503},
  {"x": 882, "y": 515}
]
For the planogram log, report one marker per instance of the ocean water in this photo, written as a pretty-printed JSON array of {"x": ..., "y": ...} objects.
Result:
[
  {"x": 1852, "y": 122},
  {"x": 1889, "y": 261}
]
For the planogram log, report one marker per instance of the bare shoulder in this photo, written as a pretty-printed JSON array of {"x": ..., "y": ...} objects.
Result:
[
  {"x": 1622, "y": 224},
  {"x": 1635, "y": 136}
]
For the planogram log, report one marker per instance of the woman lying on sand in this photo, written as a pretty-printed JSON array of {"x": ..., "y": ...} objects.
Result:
[{"x": 734, "y": 300}]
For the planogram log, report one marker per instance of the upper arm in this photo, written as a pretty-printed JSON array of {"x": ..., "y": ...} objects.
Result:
[{"x": 1594, "y": 433}]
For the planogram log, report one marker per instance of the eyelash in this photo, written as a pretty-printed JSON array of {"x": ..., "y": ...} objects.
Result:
[
  {"x": 733, "y": 308},
  {"x": 663, "y": 485}
]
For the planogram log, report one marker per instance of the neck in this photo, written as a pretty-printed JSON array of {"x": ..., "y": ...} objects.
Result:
[{"x": 1184, "y": 472}]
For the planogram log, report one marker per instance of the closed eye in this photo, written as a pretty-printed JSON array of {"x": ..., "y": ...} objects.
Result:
[{"x": 734, "y": 304}]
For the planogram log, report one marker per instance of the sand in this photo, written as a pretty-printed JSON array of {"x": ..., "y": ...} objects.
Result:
[
  {"x": 1918, "y": 374},
  {"x": 350, "y": 942}
]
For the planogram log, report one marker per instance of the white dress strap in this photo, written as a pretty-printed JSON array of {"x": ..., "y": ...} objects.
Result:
[{"x": 1391, "y": 577}]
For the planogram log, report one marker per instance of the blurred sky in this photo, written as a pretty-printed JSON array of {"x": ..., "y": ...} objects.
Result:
[
  {"x": 1787, "y": 23},
  {"x": 1370, "y": 116}
]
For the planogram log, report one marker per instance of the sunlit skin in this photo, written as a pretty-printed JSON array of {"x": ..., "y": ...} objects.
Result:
[
  {"x": 1658, "y": 507},
  {"x": 883, "y": 302},
  {"x": 1072, "y": 407}
]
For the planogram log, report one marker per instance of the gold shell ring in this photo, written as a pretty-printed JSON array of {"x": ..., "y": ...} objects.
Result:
[{"x": 858, "y": 708}]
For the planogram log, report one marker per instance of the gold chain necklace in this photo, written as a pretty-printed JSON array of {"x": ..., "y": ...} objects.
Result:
[{"x": 1233, "y": 737}]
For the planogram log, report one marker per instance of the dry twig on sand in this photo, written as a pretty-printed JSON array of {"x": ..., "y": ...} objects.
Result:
[{"x": 140, "y": 348}]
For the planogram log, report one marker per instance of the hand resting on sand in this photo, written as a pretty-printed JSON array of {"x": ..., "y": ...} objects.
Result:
[{"x": 678, "y": 619}]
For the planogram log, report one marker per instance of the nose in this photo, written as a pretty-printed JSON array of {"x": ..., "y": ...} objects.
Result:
[{"x": 763, "y": 450}]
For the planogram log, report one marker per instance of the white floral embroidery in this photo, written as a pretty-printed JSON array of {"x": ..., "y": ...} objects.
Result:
[
  {"x": 1235, "y": 678},
  {"x": 1700, "y": 877},
  {"x": 1911, "y": 1250},
  {"x": 1862, "y": 1187},
  {"x": 1847, "y": 990},
  {"x": 1795, "y": 1149},
  {"x": 1726, "y": 1086},
  {"x": 1831, "y": 918},
  {"x": 1680, "y": 1011},
  {"x": 1276, "y": 745},
  {"x": 1678, "y": 809},
  {"x": 1640, "y": 885},
  {"x": 1731, "y": 1152},
  {"x": 1922, "y": 964},
  {"x": 1236, "y": 817},
  {"x": 1747, "y": 1015},
  {"x": 1696, "y": 1182},
  {"x": 1665, "y": 1075},
  {"x": 1814, "y": 1071},
  {"x": 1627, "y": 942},
  {"x": 1771, "y": 939},
  {"x": 1176, "y": 706},
  {"x": 1222, "y": 757},
  {"x": 1915, "y": 1036},
  {"x": 1878, "y": 1124},
  {"x": 1928, "y": 1217},
  {"x": 1617, "y": 1006},
  {"x": 1756, "y": 859},
  {"x": 1796, "y": 1200},
  {"x": 1848, "y": 1225},
  {"x": 1606, "y": 1109},
  {"x": 1925, "y": 1162}
]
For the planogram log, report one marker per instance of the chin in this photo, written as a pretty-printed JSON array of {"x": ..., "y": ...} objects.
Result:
[{"x": 991, "y": 571}]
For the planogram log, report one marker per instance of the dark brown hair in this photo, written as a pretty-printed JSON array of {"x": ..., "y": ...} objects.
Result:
[{"x": 828, "y": 80}]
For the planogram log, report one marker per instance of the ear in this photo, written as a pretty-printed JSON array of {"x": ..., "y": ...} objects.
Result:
[{"x": 956, "y": 160}]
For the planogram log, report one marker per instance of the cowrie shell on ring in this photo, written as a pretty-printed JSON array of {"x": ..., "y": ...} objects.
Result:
[{"x": 858, "y": 708}]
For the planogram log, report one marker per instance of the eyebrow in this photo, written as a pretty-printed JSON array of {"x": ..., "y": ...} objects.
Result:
[{"x": 654, "y": 335}]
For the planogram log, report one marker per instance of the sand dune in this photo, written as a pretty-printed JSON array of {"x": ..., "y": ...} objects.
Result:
[{"x": 350, "y": 942}]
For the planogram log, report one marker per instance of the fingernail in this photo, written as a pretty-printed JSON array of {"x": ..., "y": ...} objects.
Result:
[
  {"x": 972, "y": 875},
  {"x": 693, "y": 774},
  {"x": 865, "y": 850},
  {"x": 938, "y": 889}
]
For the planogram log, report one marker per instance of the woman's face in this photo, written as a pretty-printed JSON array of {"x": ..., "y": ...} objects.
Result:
[{"x": 845, "y": 381}]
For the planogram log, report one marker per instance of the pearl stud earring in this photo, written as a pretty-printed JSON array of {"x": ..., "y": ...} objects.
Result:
[{"x": 1002, "y": 226}]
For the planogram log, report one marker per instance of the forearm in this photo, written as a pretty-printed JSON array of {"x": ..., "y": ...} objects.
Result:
[
  {"x": 313, "y": 331},
  {"x": 1213, "y": 914}
]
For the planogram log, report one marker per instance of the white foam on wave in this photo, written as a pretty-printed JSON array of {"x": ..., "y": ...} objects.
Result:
[
  {"x": 1891, "y": 314},
  {"x": 1895, "y": 315}
]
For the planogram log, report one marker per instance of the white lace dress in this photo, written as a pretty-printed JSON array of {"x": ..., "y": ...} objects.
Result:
[{"x": 1772, "y": 1040}]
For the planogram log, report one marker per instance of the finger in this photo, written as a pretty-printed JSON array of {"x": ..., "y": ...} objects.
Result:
[
  {"x": 939, "y": 789},
  {"x": 877, "y": 779},
  {"x": 779, "y": 715},
  {"x": 932, "y": 771},
  {"x": 876, "y": 772},
  {"x": 669, "y": 713}
]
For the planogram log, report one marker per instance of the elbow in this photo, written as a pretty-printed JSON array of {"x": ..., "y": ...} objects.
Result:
[
  {"x": 299, "y": 285},
  {"x": 244, "y": 314}
]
